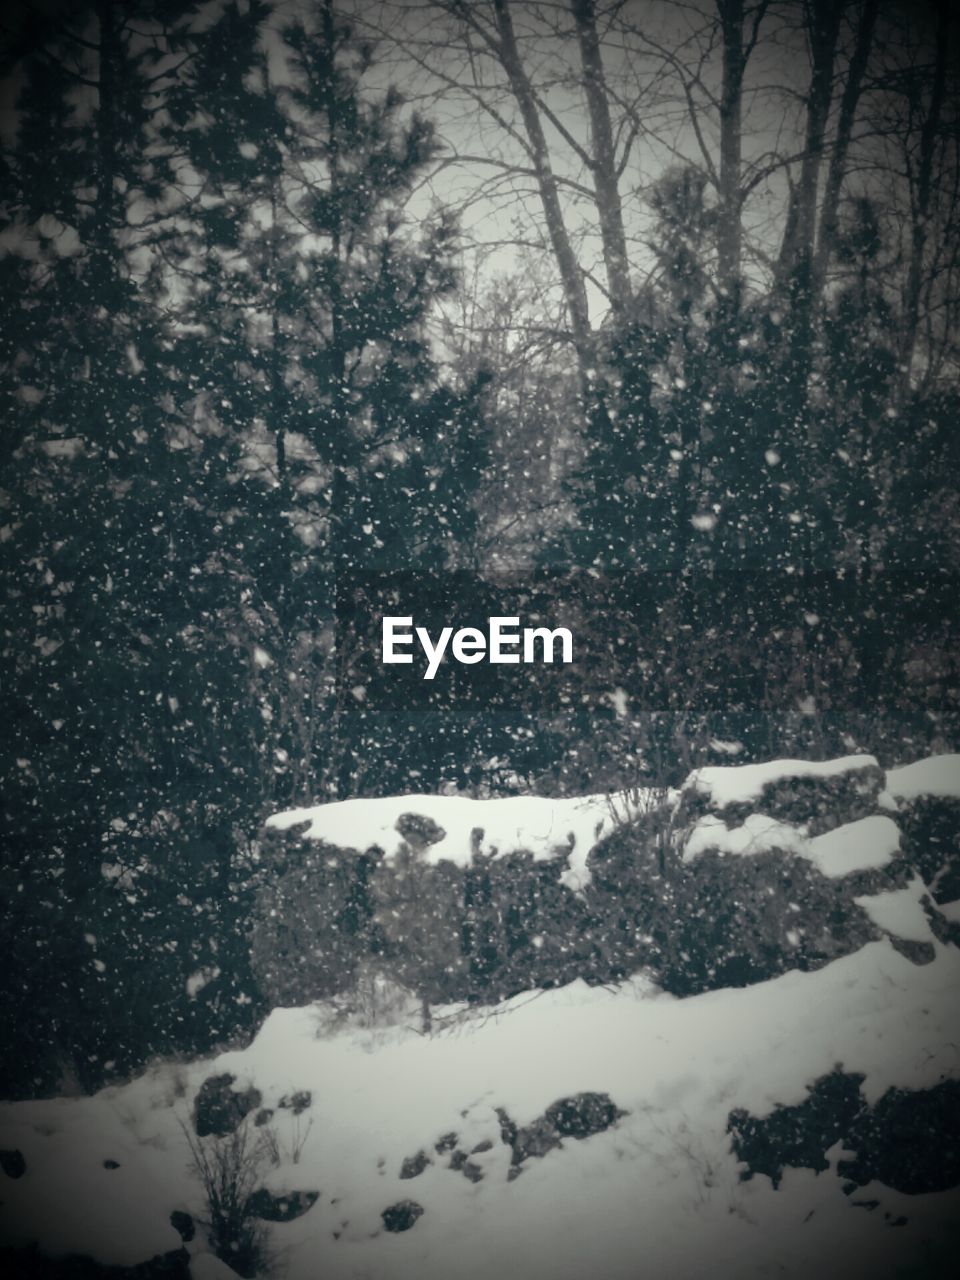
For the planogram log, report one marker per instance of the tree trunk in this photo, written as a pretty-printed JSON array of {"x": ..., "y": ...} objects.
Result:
[
  {"x": 603, "y": 165},
  {"x": 283, "y": 499},
  {"x": 796, "y": 250},
  {"x": 795, "y": 267},
  {"x": 826, "y": 239},
  {"x": 571, "y": 278},
  {"x": 102, "y": 278},
  {"x": 731, "y": 137},
  {"x": 105, "y": 197},
  {"x": 921, "y": 203}
]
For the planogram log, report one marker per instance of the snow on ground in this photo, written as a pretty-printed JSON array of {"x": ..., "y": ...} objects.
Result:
[
  {"x": 899, "y": 912},
  {"x": 757, "y": 834},
  {"x": 856, "y": 846},
  {"x": 545, "y": 827},
  {"x": 936, "y": 776},
  {"x": 657, "y": 1195},
  {"x": 69, "y": 1199},
  {"x": 743, "y": 783}
]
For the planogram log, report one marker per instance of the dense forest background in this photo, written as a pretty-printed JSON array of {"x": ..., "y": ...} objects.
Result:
[{"x": 640, "y": 315}]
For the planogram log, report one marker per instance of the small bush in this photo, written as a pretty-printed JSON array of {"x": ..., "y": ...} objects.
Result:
[
  {"x": 718, "y": 921},
  {"x": 229, "y": 1169},
  {"x": 311, "y": 924}
]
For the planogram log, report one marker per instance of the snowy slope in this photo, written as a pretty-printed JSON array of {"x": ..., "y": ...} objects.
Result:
[
  {"x": 660, "y": 1188},
  {"x": 657, "y": 1194}
]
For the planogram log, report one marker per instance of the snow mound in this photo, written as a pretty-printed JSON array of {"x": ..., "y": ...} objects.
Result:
[
  {"x": 743, "y": 784},
  {"x": 900, "y": 912},
  {"x": 205, "y": 1266},
  {"x": 87, "y": 1187},
  {"x": 864, "y": 845},
  {"x": 757, "y": 834},
  {"x": 460, "y": 829},
  {"x": 936, "y": 776},
  {"x": 856, "y": 846}
]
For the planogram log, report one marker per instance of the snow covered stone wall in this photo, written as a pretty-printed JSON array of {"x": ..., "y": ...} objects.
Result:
[
  {"x": 927, "y": 794},
  {"x": 461, "y": 830},
  {"x": 817, "y": 795},
  {"x": 745, "y": 872}
]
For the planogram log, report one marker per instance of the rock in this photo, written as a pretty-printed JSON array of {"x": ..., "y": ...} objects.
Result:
[
  {"x": 284, "y": 1207},
  {"x": 401, "y": 1216},
  {"x": 413, "y": 1166},
  {"x": 218, "y": 1109},
  {"x": 446, "y": 1142},
  {"x": 182, "y": 1222},
  {"x": 508, "y": 1130},
  {"x": 30, "y": 1264},
  {"x": 111, "y": 1164},
  {"x": 418, "y": 830},
  {"x": 578, "y": 1116},
  {"x": 296, "y": 1102},
  {"x": 798, "y": 1136},
  {"x": 907, "y": 1140},
  {"x": 12, "y": 1163},
  {"x": 915, "y": 952},
  {"x": 460, "y": 1163},
  {"x": 485, "y": 1145},
  {"x": 535, "y": 1140},
  {"x": 583, "y": 1114}
]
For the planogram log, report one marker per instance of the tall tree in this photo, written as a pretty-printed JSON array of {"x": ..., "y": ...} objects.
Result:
[{"x": 921, "y": 193}]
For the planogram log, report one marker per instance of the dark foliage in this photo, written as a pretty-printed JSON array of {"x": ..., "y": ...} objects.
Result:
[
  {"x": 906, "y": 1140},
  {"x": 931, "y": 827},
  {"x": 203, "y": 445},
  {"x": 798, "y": 1136},
  {"x": 498, "y": 926}
]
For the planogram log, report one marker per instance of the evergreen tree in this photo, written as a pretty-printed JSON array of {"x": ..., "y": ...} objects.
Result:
[
  {"x": 98, "y": 511},
  {"x": 223, "y": 400},
  {"x": 309, "y": 292}
]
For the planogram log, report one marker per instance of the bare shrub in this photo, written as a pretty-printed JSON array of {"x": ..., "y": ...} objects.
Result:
[
  {"x": 229, "y": 1169},
  {"x": 651, "y": 812}
]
